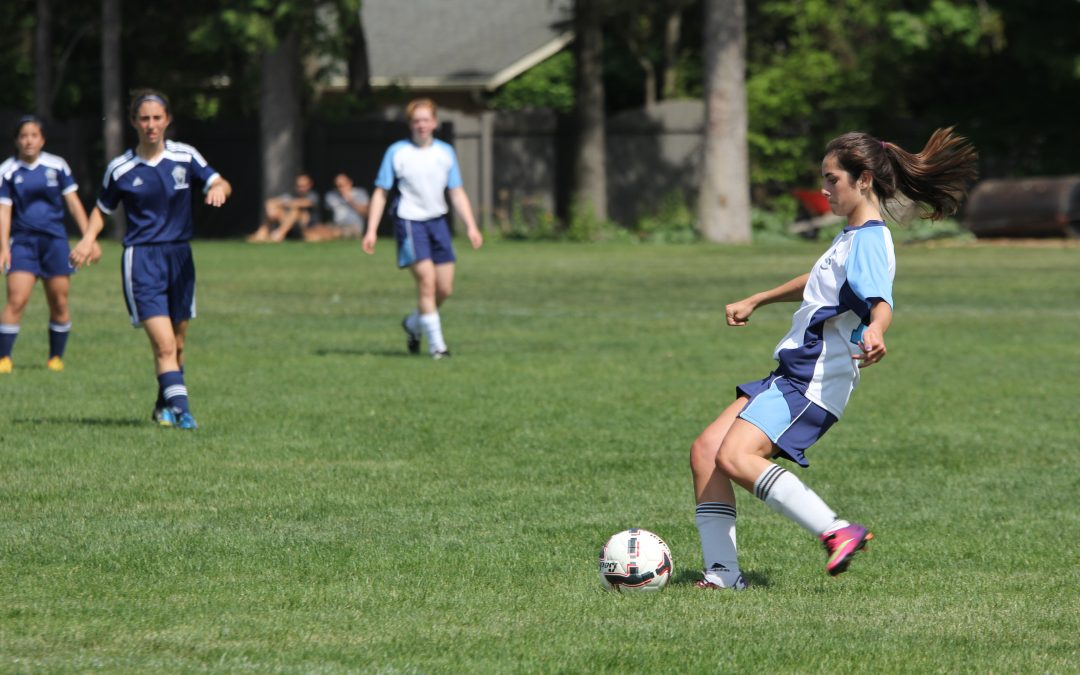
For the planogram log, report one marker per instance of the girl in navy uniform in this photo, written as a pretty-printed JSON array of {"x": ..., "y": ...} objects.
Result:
[
  {"x": 155, "y": 181},
  {"x": 422, "y": 169},
  {"x": 838, "y": 329},
  {"x": 35, "y": 186}
]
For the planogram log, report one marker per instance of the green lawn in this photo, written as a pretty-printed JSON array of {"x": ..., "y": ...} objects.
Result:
[{"x": 345, "y": 507}]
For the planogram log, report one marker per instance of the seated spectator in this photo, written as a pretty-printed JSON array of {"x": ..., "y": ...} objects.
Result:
[
  {"x": 285, "y": 212},
  {"x": 347, "y": 206}
]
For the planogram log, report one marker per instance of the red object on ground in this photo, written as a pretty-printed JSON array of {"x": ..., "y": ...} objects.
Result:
[{"x": 813, "y": 201}]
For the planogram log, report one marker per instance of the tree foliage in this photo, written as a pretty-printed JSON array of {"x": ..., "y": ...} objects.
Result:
[{"x": 1007, "y": 72}]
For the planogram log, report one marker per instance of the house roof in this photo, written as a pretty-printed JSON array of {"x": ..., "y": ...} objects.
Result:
[{"x": 461, "y": 44}]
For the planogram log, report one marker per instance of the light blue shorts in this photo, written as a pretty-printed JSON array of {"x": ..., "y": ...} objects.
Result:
[{"x": 791, "y": 421}]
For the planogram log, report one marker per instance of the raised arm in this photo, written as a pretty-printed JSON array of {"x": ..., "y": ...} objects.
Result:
[
  {"x": 218, "y": 192},
  {"x": 738, "y": 313}
]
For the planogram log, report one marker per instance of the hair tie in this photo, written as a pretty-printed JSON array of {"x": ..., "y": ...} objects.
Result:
[
  {"x": 150, "y": 97},
  {"x": 883, "y": 145}
]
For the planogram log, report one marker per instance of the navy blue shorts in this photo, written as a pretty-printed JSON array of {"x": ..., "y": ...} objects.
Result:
[
  {"x": 159, "y": 280},
  {"x": 791, "y": 421},
  {"x": 41, "y": 255},
  {"x": 423, "y": 240}
]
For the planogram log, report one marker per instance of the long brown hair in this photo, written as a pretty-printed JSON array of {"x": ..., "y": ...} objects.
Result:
[{"x": 938, "y": 177}]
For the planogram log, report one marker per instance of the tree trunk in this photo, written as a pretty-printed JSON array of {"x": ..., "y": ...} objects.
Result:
[
  {"x": 43, "y": 66},
  {"x": 280, "y": 123},
  {"x": 590, "y": 176},
  {"x": 724, "y": 201},
  {"x": 111, "y": 88}
]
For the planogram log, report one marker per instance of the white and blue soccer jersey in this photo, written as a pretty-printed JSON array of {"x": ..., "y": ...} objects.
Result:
[
  {"x": 816, "y": 354},
  {"x": 156, "y": 196},
  {"x": 36, "y": 193},
  {"x": 421, "y": 175}
]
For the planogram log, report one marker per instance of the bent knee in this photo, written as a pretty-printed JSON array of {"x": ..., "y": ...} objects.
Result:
[{"x": 702, "y": 456}]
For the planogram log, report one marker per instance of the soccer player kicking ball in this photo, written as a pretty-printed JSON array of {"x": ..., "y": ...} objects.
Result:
[
  {"x": 847, "y": 305},
  {"x": 422, "y": 169}
]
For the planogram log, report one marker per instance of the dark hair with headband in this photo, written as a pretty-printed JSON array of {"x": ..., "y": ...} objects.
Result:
[
  {"x": 141, "y": 96},
  {"x": 28, "y": 119},
  {"x": 937, "y": 177}
]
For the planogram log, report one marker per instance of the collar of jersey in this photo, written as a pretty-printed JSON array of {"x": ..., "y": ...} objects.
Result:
[{"x": 869, "y": 223}]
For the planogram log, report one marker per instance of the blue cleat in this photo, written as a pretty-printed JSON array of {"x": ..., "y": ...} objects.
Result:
[
  {"x": 185, "y": 421},
  {"x": 164, "y": 417}
]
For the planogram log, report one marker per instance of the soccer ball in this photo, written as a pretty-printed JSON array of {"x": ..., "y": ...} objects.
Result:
[{"x": 635, "y": 560}]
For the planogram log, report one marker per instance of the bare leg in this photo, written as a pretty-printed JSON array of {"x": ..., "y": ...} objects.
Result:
[
  {"x": 19, "y": 287},
  {"x": 444, "y": 282},
  {"x": 709, "y": 484},
  {"x": 423, "y": 272},
  {"x": 164, "y": 342},
  {"x": 56, "y": 292}
]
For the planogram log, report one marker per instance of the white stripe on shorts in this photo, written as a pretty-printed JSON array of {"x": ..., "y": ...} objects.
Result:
[{"x": 129, "y": 291}]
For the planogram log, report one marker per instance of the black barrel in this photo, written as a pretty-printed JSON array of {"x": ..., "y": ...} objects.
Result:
[{"x": 1025, "y": 207}]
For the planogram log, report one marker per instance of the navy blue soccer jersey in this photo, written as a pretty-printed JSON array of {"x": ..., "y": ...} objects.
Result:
[
  {"x": 36, "y": 194},
  {"x": 156, "y": 196}
]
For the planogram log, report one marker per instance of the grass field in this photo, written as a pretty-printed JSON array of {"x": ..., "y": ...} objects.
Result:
[{"x": 345, "y": 507}]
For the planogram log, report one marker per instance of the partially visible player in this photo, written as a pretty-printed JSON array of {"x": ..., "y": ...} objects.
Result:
[
  {"x": 35, "y": 186},
  {"x": 847, "y": 305},
  {"x": 155, "y": 181},
  {"x": 422, "y": 169}
]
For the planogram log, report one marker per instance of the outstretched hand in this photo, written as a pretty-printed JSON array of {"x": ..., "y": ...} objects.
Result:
[{"x": 216, "y": 195}]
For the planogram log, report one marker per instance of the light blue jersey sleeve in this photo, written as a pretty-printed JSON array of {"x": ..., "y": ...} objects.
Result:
[
  {"x": 454, "y": 178},
  {"x": 868, "y": 265},
  {"x": 386, "y": 178}
]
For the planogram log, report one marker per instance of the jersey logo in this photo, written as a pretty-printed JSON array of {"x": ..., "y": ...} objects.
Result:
[
  {"x": 51, "y": 178},
  {"x": 179, "y": 176},
  {"x": 137, "y": 182},
  {"x": 827, "y": 261},
  {"x": 18, "y": 179}
]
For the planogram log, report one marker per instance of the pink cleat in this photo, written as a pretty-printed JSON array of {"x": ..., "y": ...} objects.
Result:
[{"x": 842, "y": 544}]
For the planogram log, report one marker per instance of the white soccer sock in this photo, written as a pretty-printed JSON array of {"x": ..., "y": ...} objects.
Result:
[
  {"x": 789, "y": 496},
  {"x": 433, "y": 330},
  {"x": 716, "y": 528}
]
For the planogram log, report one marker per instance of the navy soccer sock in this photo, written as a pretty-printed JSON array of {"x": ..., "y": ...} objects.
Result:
[
  {"x": 58, "y": 337},
  {"x": 171, "y": 388},
  {"x": 8, "y": 333}
]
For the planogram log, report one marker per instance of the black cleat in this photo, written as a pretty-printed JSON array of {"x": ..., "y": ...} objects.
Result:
[{"x": 412, "y": 342}]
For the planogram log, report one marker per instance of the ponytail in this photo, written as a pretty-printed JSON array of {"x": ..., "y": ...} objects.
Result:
[{"x": 937, "y": 177}]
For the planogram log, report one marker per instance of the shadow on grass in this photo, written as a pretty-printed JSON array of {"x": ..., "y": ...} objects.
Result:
[
  {"x": 753, "y": 579},
  {"x": 82, "y": 421},
  {"x": 355, "y": 351}
]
